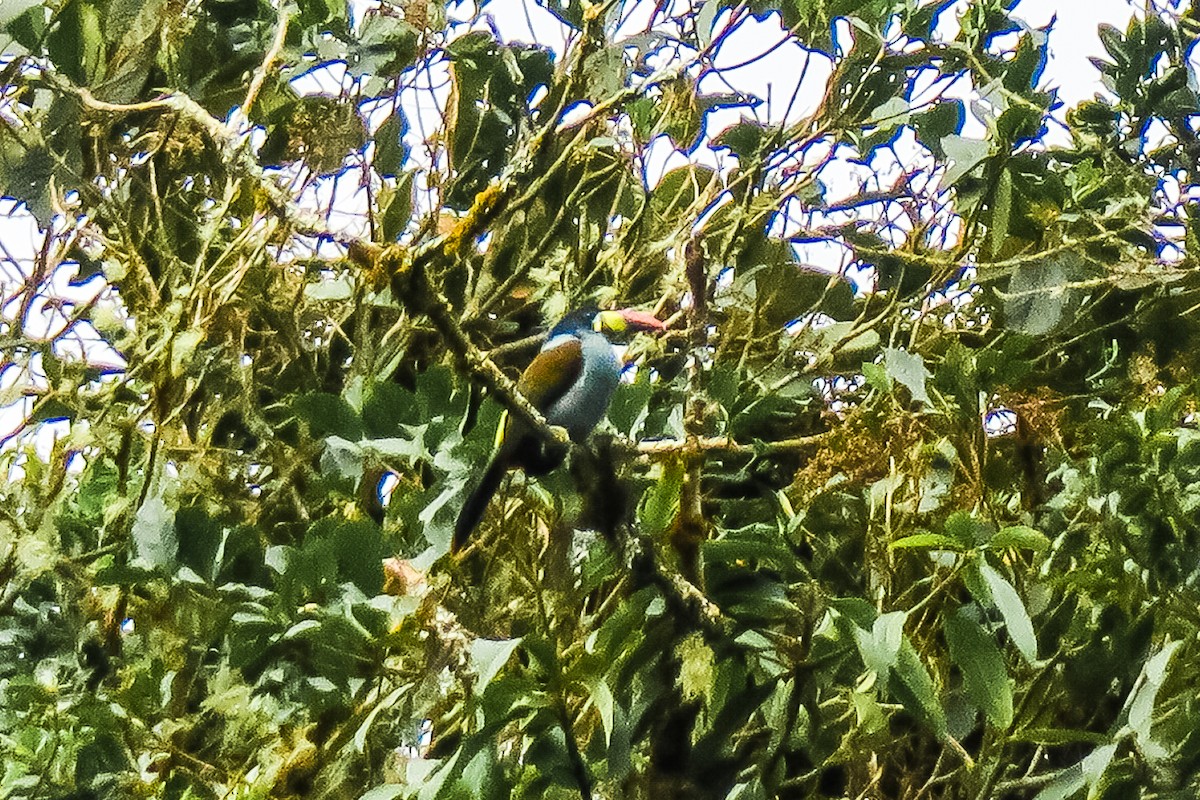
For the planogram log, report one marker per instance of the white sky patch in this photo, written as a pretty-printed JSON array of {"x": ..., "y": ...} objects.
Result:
[
  {"x": 758, "y": 58},
  {"x": 823, "y": 255},
  {"x": 635, "y": 16},
  {"x": 1073, "y": 39},
  {"x": 525, "y": 23},
  {"x": 662, "y": 156}
]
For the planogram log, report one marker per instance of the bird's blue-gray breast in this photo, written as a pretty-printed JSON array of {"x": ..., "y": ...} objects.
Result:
[{"x": 586, "y": 402}]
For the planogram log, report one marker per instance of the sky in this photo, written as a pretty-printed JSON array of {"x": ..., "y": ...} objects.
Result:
[{"x": 1073, "y": 39}]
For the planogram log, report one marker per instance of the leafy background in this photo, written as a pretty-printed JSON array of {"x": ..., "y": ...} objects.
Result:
[{"x": 919, "y": 520}]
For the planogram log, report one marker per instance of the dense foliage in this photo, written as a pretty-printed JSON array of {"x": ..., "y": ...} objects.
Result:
[{"x": 922, "y": 524}]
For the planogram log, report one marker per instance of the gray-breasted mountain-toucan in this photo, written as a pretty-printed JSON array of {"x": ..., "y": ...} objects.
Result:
[{"x": 571, "y": 381}]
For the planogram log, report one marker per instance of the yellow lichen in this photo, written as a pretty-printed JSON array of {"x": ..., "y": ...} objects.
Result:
[{"x": 473, "y": 222}]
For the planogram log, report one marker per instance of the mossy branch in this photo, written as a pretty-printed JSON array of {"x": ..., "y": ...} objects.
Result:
[{"x": 410, "y": 285}]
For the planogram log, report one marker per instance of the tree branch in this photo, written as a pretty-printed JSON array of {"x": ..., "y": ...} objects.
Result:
[
  {"x": 727, "y": 445},
  {"x": 411, "y": 285},
  {"x": 268, "y": 63}
]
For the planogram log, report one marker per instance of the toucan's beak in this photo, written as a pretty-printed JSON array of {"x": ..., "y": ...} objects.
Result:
[
  {"x": 642, "y": 321},
  {"x": 628, "y": 320}
]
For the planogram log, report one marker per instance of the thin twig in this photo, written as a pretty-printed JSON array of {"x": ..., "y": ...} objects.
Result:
[
  {"x": 268, "y": 62},
  {"x": 728, "y": 445}
]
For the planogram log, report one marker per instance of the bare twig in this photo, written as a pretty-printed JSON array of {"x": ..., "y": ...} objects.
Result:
[
  {"x": 727, "y": 445},
  {"x": 268, "y": 63},
  {"x": 691, "y": 531}
]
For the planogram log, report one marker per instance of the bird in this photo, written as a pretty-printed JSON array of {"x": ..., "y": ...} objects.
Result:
[{"x": 571, "y": 382}]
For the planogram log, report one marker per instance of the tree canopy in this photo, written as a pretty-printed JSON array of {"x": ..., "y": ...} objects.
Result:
[{"x": 905, "y": 503}]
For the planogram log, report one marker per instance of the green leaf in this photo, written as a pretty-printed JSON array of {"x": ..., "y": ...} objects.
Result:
[
  {"x": 964, "y": 528},
  {"x": 396, "y": 203},
  {"x": 752, "y": 789},
  {"x": 1114, "y": 42},
  {"x": 660, "y": 503},
  {"x": 745, "y": 138},
  {"x": 342, "y": 458},
  {"x": 492, "y": 85},
  {"x": 759, "y": 543},
  {"x": 183, "y": 347},
  {"x": 1001, "y": 212},
  {"x": 927, "y": 541},
  {"x": 630, "y": 405},
  {"x": 944, "y": 119},
  {"x": 644, "y": 114},
  {"x": 390, "y": 150},
  {"x": 853, "y": 610},
  {"x": 1036, "y": 298},
  {"x": 360, "y": 552},
  {"x": 606, "y": 72},
  {"x": 880, "y": 646},
  {"x": 696, "y": 671},
  {"x": 922, "y": 20},
  {"x": 387, "y": 408},
  {"x": 1018, "y": 123},
  {"x": 1010, "y": 606},
  {"x": 678, "y": 191},
  {"x": 76, "y": 43},
  {"x": 1019, "y": 537},
  {"x": 898, "y": 272},
  {"x": 27, "y": 29},
  {"x": 199, "y": 537},
  {"x": 1058, "y": 736},
  {"x": 706, "y": 19},
  {"x": 337, "y": 288},
  {"x": 364, "y": 730},
  {"x": 405, "y": 448},
  {"x": 877, "y": 376},
  {"x": 15, "y": 8},
  {"x": 787, "y": 290},
  {"x": 1039, "y": 294},
  {"x": 892, "y": 112},
  {"x": 153, "y": 535},
  {"x": 602, "y": 698},
  {"x": 837, "y": 340},
  {"x": 488, "y": 657},
  {"x": 937, "y": 480},
  {"x": 964, "y": 154},
  {"x": 103, "y": 755},
  {"x": 1139, "y": 707},
  {"x": 913, "y": 686},
  {"x": 26, "y": 173},
  {"x": 982, "y": 665},
  {"x": 908, "y": 369},
  {"x": 1087, "y": 772},
  {"x": 328, "y": 415},
  {"x": 323, "y": 15},
  {"x": 386, "y": 46},
  {"x": 301, "y": 629},
  {"x": 24, "y": 21}
]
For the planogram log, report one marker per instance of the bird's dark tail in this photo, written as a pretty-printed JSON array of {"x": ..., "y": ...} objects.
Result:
[{"x": 477, "y": 503}]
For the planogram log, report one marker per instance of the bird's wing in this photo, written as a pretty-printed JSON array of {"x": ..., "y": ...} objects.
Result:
[
  {"x": 547, "y": 378},
  {"x": 552, "y": 373}
]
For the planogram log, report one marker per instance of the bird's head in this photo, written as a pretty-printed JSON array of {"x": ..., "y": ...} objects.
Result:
[{"x": 609, "y": 323}]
